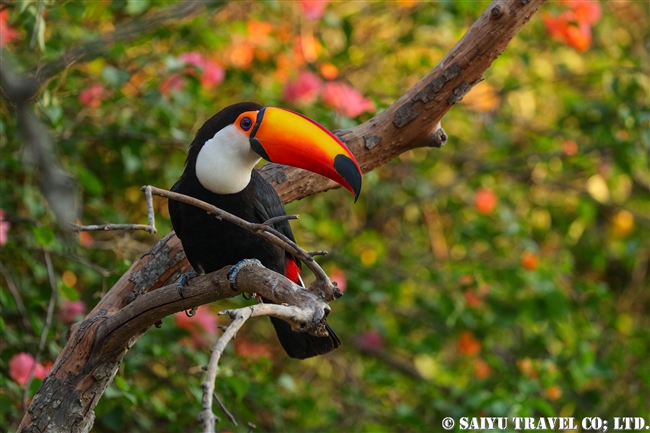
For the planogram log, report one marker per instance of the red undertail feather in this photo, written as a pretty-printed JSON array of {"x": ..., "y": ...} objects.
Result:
[{"x": 292, "y": 271}]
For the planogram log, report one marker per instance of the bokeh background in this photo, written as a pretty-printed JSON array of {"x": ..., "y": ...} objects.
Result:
[{"x": 505, "y": 274}]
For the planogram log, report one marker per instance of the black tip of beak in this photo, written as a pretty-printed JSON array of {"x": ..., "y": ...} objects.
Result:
[{"x": 350, "y": 172}]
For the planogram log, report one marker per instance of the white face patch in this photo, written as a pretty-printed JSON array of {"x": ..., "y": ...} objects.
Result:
[{"x": 224, "y": 163}]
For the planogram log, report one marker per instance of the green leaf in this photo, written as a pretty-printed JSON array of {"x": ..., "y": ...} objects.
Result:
[
  {"x": 68, "y": 292},
  {"x": 75, "y": 9},
  {"x": 136, "y": 7},
  {"x": 114, "y": 76},
  {"x": 44, "y": 236}
]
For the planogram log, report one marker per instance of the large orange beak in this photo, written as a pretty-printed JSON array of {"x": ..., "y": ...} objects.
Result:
[{"x": 289, "y": 138}]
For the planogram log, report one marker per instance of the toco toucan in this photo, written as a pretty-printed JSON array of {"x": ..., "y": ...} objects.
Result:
[{"x": 220, "y": 169}]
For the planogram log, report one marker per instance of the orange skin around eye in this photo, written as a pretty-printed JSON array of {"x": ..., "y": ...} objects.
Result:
[{"x": 252, "y": 115}]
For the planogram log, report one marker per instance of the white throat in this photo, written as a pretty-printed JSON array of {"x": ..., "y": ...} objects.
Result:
[{"x": 225, "y": 162}]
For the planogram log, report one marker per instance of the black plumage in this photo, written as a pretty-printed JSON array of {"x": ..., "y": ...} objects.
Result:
[{"x": 211, "y": 244}]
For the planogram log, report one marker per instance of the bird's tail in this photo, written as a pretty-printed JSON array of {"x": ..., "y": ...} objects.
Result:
[{"x": 302, "y": 345}]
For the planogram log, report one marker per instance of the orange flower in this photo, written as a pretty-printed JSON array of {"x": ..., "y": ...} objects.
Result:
[
  {"x": 481, "y": 369},
  {"x": 553, "y": 392},
  {"x": 468, "y": 344},
  {"x": 485, "y": 200},
  {"x": 529, "y": 260},
  {"x": 570, "y": 147}
]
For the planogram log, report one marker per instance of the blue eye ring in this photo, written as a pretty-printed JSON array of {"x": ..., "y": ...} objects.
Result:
[{"x": 246, "y": 123}]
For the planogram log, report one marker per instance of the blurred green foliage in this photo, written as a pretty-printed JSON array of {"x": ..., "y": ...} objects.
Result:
[{"x": 505, "y": 274}]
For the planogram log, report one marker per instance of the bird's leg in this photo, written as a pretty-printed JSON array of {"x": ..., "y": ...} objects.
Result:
[
  {"x": 182, "y": 281},
  {"x": 232, "y": 274}
]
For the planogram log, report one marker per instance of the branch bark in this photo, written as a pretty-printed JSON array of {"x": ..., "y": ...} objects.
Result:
[{"x": 96, "y": 346}]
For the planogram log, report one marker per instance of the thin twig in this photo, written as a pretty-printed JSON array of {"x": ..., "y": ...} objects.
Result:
[
  {"x": 16, "y": 294},
  {"x": 108, "y": 227},
  {"x": 150, "y": 227},
  {"x": 322, "y": 284},
  {"x": 280, "y": 218},
  {"x": 239, "y": 317},
  {"x": 48, "y": 323},
  {"x": 151, "y": 217},
  {"x": 224, "y": 409}
]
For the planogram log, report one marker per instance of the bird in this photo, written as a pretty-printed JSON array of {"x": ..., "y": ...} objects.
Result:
[{"x": 220, "y": 170}]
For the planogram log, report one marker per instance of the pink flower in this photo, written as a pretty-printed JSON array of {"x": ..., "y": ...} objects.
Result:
[
  {"x": 212, "y": 73},
  {"x": 173, "y": 82},
  {"x": 313, "y": 9},
  {"x": 303, "y": 90},
  {"x": 4, "y": 228},
  {"x": 93, "y": 95},
  {"x": 204, "y": 322},
  {"x": 371, "y": 340},
  {"x": 20, "y": 365},
  {"x": 7, "y": 34},
  {"x": 345, "y": 99},
  {"x": 338, "y": 276},
  {"x": 70, "y": 312},
  {"x": 192, "y": 58}
]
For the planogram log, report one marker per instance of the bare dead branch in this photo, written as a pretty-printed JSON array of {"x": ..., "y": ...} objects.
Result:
[
  {"x": 322, "y": 285},
  {"x": 110, "y": 227},
  {"x": 291, "y": 314},
  {"x": 225, "y": 409}
]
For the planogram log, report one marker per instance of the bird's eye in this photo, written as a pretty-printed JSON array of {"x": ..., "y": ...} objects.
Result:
[{"x": 246, "y": 123}]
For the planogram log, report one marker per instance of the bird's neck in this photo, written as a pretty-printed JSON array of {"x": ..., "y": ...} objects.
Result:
[{"x": 225, "y": 169}]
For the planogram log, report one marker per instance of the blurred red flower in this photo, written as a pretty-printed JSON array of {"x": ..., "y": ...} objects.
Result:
[
  {"x": 212, "y": 73},
  {"x": 345, "y": 99},
  {"x": 313, "y": 9},
  {"x": 371, "y": 340},
  {"x": 203, "y": 323},
  {"x": 573, "y": 26},
  {"x": 7, "y": 34},
  {"x": 20, "y": 365},
  {"x": 485, "y": 200},
  {"x": 303, "y": 90},
  {"x": 93, "y": 95},
  {"x": 69, "y": 312},
  {"x": 529, "y": 260},
  {"x": 173, "y": 82},
  {"x": 338, "y": 276},
  {"x": 468, "y": 344},
  {"x": 4, "y": 228}
]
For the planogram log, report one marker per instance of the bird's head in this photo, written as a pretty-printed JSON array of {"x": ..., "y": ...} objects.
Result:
[{"x": 228, "y": 146}]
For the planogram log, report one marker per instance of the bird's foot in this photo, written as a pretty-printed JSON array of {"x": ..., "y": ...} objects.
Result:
[
  {"x": 232, "y": 274},
  {"x": 182, "y": 281}
]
